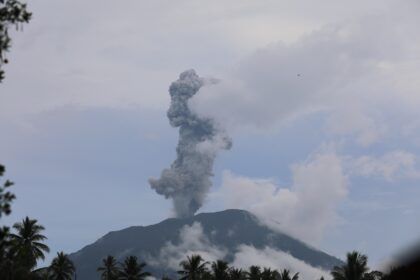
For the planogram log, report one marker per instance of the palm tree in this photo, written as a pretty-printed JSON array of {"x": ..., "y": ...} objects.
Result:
[
  {"x": 236, "y": 274},
  {"x": 132, "y": 270},
  {"x": 220, "y": 270},
  {"x": 109, "y": 269},
  {"x": 254, "y": 273},
  {"x": 285, "y": 275},
  {"x": 26, "y": 243},
  {"x": 193, "y": 268},
  {"x": 355, "y": 268},
  {"x": 61, "y": 268},
  {"x": 268, "y": 274}
]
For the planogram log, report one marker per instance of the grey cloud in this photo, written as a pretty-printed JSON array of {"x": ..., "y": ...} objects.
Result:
[
  {"x": 341, "y": 69},
  {"x": 391, "y": 165}
]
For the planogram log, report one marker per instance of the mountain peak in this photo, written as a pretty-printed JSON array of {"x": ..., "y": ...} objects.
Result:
[{"x": 222, "y": 234}]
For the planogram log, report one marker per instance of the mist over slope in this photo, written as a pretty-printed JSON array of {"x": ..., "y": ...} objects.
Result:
[{"x": 232, "y": 235}]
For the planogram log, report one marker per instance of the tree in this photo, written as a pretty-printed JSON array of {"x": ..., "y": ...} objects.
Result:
[
  {"x": 61, "y": 268},
  {"x": 109, "y": 268},
  {"x": 193, "y": 268},
  {"x": 254, "y": 273},
  {"x": 220, "y": 270},
  {"x": 132, "y": 270},
  {"x": 285, "y": 275},
  {"x": 12, "y": 12},
  {"x": 269, "y": 274},
  {"x": 236, "y": 274},
  {"x": 27, "y": 243},
  {"x": 6, "y": 197},
  {"x": 355, "y": 268}
]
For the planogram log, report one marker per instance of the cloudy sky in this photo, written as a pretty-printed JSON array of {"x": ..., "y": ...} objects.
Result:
[{"x": 320, "y": 98}]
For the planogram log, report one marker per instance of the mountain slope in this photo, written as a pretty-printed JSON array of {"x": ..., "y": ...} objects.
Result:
[{"x": 226, "y": 229}]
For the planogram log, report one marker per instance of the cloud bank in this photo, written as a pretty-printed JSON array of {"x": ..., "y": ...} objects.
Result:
[
  {"x": 357, "y": 72},
  {"x": 305, "y": 210},
  {"x": 194, "y": 241},
  {"x": 248, "y": 255}
]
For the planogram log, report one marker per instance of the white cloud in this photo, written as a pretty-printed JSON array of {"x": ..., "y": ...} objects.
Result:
[
  {"x": 394, "y": 164},
  {"x": 267, "y": 257},
  {"x": 351, "y": 121},
  {"x": 305, "y": 210},
  {"x": 192, "y": 241}
]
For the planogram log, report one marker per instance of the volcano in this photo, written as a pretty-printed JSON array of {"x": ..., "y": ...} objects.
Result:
[{"x": 226, "y": 232}]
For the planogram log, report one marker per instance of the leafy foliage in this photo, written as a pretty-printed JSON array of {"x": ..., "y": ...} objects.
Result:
[
  {"x": 355, "y": 268},
  {"x": 12, "y": 12},
  {"x": 109, "y": 269},
  {"x": 62, "y": 268},
  {"x": 193, "y": 268},
  {"x": 285, "y": 275},
  {"x": 6, "y": 197},
  {"x": 132, "y": 270},
  {"x": 27, "y": 242}
]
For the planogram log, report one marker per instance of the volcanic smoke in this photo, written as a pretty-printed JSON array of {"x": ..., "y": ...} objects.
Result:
[{"x": 187, "y": 181}]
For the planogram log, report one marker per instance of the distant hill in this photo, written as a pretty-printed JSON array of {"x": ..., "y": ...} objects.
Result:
[{"x": 226, "y": 229}]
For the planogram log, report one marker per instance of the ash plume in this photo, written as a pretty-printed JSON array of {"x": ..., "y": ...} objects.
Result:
[{"x": 187, "y": 181}]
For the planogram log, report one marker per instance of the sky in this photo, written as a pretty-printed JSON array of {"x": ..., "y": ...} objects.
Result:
[{"x": 319, "y": 98}]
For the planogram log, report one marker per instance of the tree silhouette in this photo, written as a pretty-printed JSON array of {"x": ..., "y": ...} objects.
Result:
[
  {"x": 61, "y": 268},
  {"x": 220, "y": 270},
  {"x": 132, "y": 270},
  {"x": 254, "y": 273},
  {"x": 27, "y": 243},
  {"x": 12, "y": 12},
  {"x": 269, "y": 274},
  {"x": 236, "y": 274},
  {"x": 6, "y": 197},
  {"x": 355, "y": 268},
  {"x": 109, "y": 268},
  {"x": 193, "y": 268},
  {"x": 285, "y": 275}
]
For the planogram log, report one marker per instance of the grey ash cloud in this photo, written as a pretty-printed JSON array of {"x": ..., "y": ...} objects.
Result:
[{"x": 187, "y": 181}]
